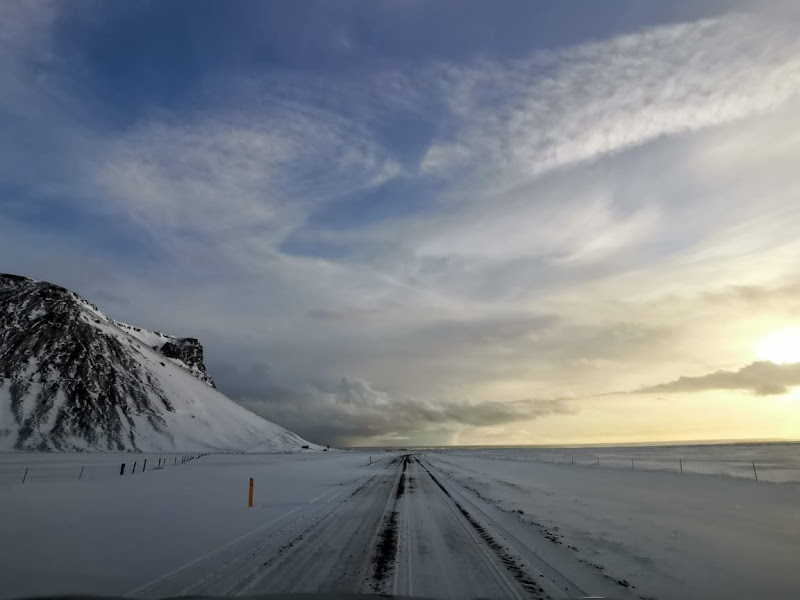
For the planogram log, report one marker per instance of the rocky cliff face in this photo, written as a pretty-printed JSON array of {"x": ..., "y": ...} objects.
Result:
[
  {"x": 71, "y": 378},
  {"x": 184, "y": 352}
]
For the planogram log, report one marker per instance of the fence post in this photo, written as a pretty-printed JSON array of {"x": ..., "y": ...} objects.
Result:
[
  {"x": 144, "y": 466},
  {"x": 133, "y": 470},
  {"x": 122, "y": 469},
  {"x": 81, "y": 473},
  {"x": 680, "y": 460},
  {"x": 25, "y": 475},
  {"x": 176, "y": 460},
  {"x": 755, "y": 472},
  {"x": 250, "y": 495},
  {"x": 598, "y": 462}
]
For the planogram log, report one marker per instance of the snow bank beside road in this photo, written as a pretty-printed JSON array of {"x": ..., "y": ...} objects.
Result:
[{"x": 673, "y": 537}]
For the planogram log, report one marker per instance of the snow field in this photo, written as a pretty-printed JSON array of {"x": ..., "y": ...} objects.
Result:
[
  {"x": 775, "y": 462},
  {"x": 112, "y": 535},
  {"x": 673, "y": 536}
]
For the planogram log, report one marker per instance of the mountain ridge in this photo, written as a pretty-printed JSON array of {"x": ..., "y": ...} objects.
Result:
[{"x": 71, "y": 378}]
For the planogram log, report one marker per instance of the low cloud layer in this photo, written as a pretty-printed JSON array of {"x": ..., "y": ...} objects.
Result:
[
  {"x": 761, "y": 378},
  {"x": 353, "y": 410}
]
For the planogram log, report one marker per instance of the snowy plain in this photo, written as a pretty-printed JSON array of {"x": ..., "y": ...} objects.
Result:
[
  {"x": 674, "y": 537},
  {"x": 777, "y": 462},
  {"x": 109, "y": 535},
  {"x": 627, "y": 534}
]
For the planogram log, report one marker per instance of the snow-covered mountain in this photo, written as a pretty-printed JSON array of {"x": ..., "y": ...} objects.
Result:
[{"x": 73, "y": 379}]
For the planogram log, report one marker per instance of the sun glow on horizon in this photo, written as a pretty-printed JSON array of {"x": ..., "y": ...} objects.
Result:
[{"x": 780, "y": 346}]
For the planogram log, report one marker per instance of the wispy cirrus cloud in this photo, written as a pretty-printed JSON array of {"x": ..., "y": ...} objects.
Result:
[
  {"x": 235, "y": 173},
  {"x": 528, "y": 116}
]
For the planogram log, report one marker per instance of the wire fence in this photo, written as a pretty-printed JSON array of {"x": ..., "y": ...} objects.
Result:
[
  {"x": 773, "y": 469},
  {"x": 35, "y": 470}
]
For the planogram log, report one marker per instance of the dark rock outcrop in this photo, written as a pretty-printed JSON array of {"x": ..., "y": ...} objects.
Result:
[{"x": 190, "y": 353}]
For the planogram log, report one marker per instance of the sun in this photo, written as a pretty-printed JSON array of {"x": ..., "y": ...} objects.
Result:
[{"x": 780, "y": 346}]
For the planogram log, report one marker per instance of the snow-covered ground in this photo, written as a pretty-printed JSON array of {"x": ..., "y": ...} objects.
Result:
[
  {"x": 112, "y": 534},
  {"x": 454, "y": 525},
  {"x": 673, "y": 536},
  {"x": 775, "y": 462}
]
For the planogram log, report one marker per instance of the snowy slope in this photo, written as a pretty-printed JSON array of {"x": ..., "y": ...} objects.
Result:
[
  {"x": 73, "y": 379},
  {"x": 184, "y": 352}
]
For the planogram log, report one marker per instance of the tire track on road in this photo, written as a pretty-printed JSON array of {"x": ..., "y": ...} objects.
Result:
[
  {"x": 225, "y": 569},
  {"x": 567, "y": 580},
  {"x": 336, "y": 553}
]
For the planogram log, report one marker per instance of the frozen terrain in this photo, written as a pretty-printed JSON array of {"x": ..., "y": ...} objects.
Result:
[
  {"x": 775, "y": 462},
  {"x": 450, "y": 525}
]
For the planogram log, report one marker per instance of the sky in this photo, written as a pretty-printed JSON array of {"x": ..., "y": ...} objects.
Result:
[{"x": 411, "y": 223}]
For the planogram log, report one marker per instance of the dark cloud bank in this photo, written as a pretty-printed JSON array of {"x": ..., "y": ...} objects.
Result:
[
  {"x": 761, "y": 378},
  {"x": 353, "y": 409}
]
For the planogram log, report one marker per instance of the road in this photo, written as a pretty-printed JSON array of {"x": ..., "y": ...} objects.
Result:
[{"x": 402, "y": 528}]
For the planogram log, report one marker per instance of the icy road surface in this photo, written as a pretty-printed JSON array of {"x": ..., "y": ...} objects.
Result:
[{"x": 402, "y": 528}]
